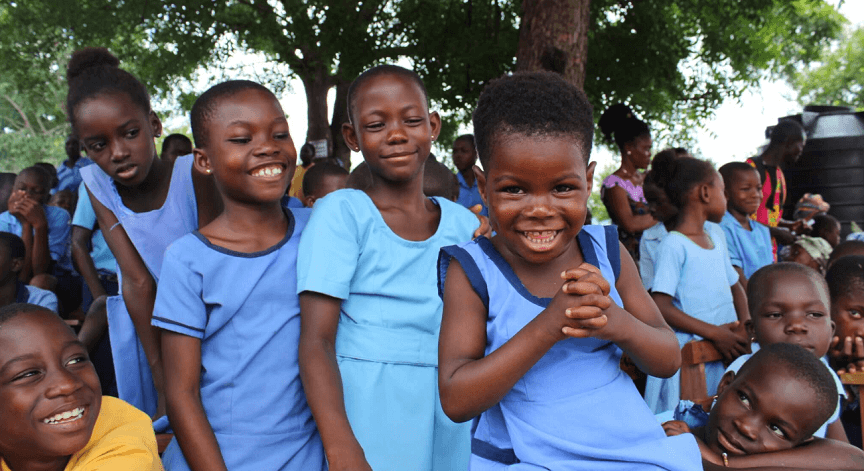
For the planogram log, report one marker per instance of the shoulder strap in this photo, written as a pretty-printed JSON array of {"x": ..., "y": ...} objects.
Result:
[
  {"x": 612, "y": 249},
  {"x": 469, "y": 266}
]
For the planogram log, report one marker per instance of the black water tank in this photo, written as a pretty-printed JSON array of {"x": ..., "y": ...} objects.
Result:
[{"x": 832, "y": 164}]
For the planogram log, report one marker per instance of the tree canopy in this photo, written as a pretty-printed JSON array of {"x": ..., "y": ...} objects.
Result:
[
  {"x": 837, "y": 78},
  {"x": 673, "y": 61}
]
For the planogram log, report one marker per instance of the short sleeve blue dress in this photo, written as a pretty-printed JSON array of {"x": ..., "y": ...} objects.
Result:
[
  {"x": 387, "y": 339},
  {"x": 244, "y": 309},
  {"x": 574, "y": 409},
  {"x": 150, "y": 232}
]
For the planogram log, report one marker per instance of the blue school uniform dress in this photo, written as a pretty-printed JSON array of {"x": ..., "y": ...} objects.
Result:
[
  {"x": 387, "y": 339},
  {"x": 574, "y": 409},
  {"x": 749, "y": 250},
  {"x": 469, "y": 196},
  {"x": 649, "y": 243},
  {"x": 244, "y": 309},
  {"x": 33, "y": 295},
  {"x": 699, "y": 282},
  {"x": 150, "y": 232},
  {"x": 70, "y": 178}
]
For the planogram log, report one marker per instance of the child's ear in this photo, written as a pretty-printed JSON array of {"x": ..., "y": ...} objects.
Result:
[
  {"x": 481, "y": 184},
  {"x": 201, "y": 161},
  {"x": 309, "y": 201},
  {"x": 156, "y": 124},
  {"x": 17, "y": 265},
  {"x": 589, "y": 175},
  {"x": 725, "y": 381},
  {"x": 350, "y": 137},
  {"x": 750, "y": 328},
  {"x": 435, "y": 124},
  {"x": 705, "y": 193}
]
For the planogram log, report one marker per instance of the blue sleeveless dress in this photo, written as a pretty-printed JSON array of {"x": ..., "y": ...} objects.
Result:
[
  {"x": 150, "y": 232},
  {"x": 575, "y": 409}
]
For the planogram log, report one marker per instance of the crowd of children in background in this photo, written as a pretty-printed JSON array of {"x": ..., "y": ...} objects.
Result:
[{"x": 257, "y": 313}]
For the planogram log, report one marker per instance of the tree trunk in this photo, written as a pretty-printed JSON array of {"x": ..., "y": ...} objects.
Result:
[
  {"x": 340, "y": 115},
  {"x": 316, "y": 85},
  {"x": 554, "y": 36}
]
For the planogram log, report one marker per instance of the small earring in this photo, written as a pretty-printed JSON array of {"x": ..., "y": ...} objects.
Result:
[
  {"x": 208, "y": 171},
  {"x": 628, "y": 152}
]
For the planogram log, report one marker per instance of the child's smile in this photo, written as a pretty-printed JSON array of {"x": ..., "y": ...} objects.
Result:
[{"x": 537, "y": 190}]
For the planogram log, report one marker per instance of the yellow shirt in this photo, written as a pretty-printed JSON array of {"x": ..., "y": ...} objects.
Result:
[
  {"x": 296, "y": 189},
  {"x": 122, "y": 440}
]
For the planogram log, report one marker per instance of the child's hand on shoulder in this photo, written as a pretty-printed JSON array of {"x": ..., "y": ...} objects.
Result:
[{"x": 578, "y": 309}]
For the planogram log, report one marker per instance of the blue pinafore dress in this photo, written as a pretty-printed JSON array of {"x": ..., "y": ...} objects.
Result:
[
  {"x": 574, "y": 409},
  {"x": 150, "y": 232}
]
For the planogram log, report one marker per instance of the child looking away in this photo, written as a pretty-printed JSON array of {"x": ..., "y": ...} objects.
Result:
[
  {"x": 233, "y": 385},
  {"x": 12, "y": 289},
  {"x": 52, "y": 413},
  {"x": 748, "y": 241},
  {"x": 536, "y": 317}
]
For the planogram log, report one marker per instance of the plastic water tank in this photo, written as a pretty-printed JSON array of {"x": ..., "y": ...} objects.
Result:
[{"x": 832, "y": 163}]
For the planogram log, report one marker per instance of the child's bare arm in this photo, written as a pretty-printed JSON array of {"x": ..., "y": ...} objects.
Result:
[
  {"x": 34, "y": 215},
  {"x": 185, "y": 411},
  {"x": 739, "y": 298},
  {"x": 469, "y": 382},
  {"x": 645, "y": 336},
  {"x": 730, "y": 344},
  {"x": 81, "y": 239},
  {"x": 322, "y": 381},
  {"x": 819, "y": 453}
]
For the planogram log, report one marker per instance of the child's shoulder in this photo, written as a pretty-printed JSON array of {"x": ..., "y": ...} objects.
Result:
[
  {"x": 123, "y": 438},
  {"x": 56, "y": 214},
  {"x": 460, "y": 219}
]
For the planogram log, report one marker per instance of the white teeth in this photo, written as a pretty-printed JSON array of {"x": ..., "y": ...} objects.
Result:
[
  {"x": 540, "y": 236},
  {"x": 73, "y": 414},
  {"x": 268, "y": 171}
]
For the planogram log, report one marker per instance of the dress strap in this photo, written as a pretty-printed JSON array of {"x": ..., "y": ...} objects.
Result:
[
  {"x": 469, "y": 266},
  {"x": 612, "y": 249},
  {"x": 491, "y": 452}
]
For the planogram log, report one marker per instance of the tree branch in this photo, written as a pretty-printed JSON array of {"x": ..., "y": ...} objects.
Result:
[{"x": 20, "y": 112}]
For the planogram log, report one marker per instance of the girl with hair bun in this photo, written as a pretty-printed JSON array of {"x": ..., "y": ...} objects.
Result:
[
  {"x": 621, "y": 191},
  {"x": 142, "y": 203}
]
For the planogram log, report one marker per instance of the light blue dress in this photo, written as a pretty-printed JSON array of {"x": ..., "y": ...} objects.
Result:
[
  {"x": 649, "y": 243},
  {"x": 699, "y": 282},
  {"x": 244, "y": 309},
  {"x": 574, "y": 409},
  {"x": 387, "y": 339},
  {"x": 469, "y": 196},
  {"x": 150, "y": 232},
  {"x": 749, "y": 250}
]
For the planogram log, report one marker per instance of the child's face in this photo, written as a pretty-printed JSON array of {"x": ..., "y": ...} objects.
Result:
[
  {"x": 393, "y": 127},
  {"x": 328, "y": 185},
  {"x": 640, "y": 151},
  {"x": 744, "y": 192},
  {"x": 49, "y": 392},
  {"x": 794, "y": 310},
  {"x": 9, "y": 267},
  {"x": 118, "y": 135},
  {"x": 35, "y": 186},
  {"x": 762, "y": 410},
  {"x": 63, "y": 199},
  {"x": 249, "y": 150},
  {"x": 464, "y": 156},
  {"x": 847, "y": 311},
  {"x": 536, "y": 188},
  {"x": 717, "y": 207},
  {"x": 797, "y": 254},
  {"x": 831, "y": 235}
]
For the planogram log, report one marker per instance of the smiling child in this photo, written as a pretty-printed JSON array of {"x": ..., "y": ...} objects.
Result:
[{"x": 52, "y": 413}]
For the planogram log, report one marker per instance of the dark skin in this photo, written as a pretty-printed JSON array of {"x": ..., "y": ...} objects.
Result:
[
  {"x": 81, "y": 237},
  {"x": 778, "y": 156},
  {"x": 393, "y": 128},
  {"x": 247, "y": 136},
  {"x": 10, "y": 268},
  {"x": 118, "y": 135},
  {"x": 29, "y": 193},
  {"x": 707, "y": 202},
  {"x": 537, "y": 215},
  {"x": 635, "y": 155},
  {"x": 765, "y": 426},
  {"x": 464, "y": 158}
]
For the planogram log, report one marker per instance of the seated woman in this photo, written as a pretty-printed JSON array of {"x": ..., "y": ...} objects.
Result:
[
  {"x": 52, "y": 413},
  {"x": 764, "y": 416},
  {"x": 622, "y": 191}
]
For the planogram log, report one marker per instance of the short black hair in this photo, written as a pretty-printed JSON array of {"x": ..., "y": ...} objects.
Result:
[
  {"x": 846, "y": 276},
  {"x": 620, "y": 125},
  {"x": 316, "y": 174},
  {"x": 756, "y": 285},
  {"x": 730, "y": 171},
  {"x": 307, "y": 153},
  {"x": 44, "y": 175},
  {"x": 175, "y": 140},
  {"x": 785, "y": 131},
  {"x": 847, "y": 247},
  {"x": 822, "y": 222},
  {"x": 803, "y": 366},
  {"x": 13, "y": 244},
  {"x": 671, "y": 178},
  {"x": 466, "y": 137},
  {"x": 11, "y": 311},
  {"x": 206, "y": 104},
  {"x": 438, "y": 180},
  {"x": 540, "y": 104},
  {"x": 377, "y": 71},
  {"x": 93, "y": 71}
]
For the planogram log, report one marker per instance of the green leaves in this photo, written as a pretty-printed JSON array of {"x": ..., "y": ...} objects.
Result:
[{"x": 838, "y": 76}]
